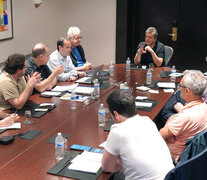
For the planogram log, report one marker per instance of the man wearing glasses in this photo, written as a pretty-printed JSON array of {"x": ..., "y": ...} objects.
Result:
[
  {"x": 77, "y": 53},
  {"x": 192, "y": 118}
]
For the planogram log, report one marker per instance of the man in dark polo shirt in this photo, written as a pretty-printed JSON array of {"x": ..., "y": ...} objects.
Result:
[
  {"x": 38, "y": 63},
  {"x": 150, "y": 51}
]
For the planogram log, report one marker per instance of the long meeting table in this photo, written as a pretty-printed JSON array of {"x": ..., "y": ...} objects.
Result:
[{"x": 24, "y": 159}]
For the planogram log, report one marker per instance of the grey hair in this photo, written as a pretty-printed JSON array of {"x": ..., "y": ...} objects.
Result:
[
  {"x": 72, "y": 31},
  {"x": 152, "y": 30},
  {"x": 194, "y": 80}
]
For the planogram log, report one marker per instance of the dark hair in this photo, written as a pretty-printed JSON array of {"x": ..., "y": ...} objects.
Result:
[
  {"x": 14, "y": 62},
  {"x": 123, "y": 102},
  {"x": 60, "y": 42},
  {"x": 37, "y": 51}
]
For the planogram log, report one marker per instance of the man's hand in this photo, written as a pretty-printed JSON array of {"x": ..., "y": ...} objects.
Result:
[
  {"x": 141, "y": 50},
  {"x": 72, "y": 78},
  {"x": 8, "y": 121},
  {"x": 34, "y": 79},
  {"x": 148, "y": 48},
  {"x": 81, "y": 74},
  {"x": 87, "y": 66},
  {"x": 59, "y": 70}
]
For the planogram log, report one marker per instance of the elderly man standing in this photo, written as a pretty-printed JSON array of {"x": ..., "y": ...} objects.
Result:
[
  {"x": 61, "y": 56},
  {"x": 14, "y": 91},
  {"x": 77, "y": 54},
  {"x": 192, "y": 119},
  {"x": 150, "y": 51},
  {"x": 134, "y": 143},
  {"x": 38, "y": 63}
]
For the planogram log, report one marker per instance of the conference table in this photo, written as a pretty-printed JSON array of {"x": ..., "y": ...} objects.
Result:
[{"x": 31, "y": 159}]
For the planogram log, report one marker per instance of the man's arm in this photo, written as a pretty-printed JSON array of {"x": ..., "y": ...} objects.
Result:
[
  {"x": 48, "y": 84},
  {"x": 19, "y": 102},
  {"x": 85, "y": 67},
  {"x": 110, "y": 163},
  {"x": 157, "y": 60},
  {"x": 137, "y": 58}
]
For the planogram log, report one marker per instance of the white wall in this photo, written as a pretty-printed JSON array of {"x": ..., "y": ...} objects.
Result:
[{"x": 96, "y": 19}]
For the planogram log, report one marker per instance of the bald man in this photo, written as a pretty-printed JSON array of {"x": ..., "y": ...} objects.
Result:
[{"x": 38, "y": 63}]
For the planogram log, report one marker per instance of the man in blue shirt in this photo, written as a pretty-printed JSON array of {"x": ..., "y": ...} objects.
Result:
[{"x": 77, "y": 53}]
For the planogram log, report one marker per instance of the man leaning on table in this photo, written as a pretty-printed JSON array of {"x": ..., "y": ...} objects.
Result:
[
  {"x": 61, "y": 56},
  {"x": 150, "y": 51},
  {"x": 134, "y": 144},
  {"x": 192, "y": 118},
  {"x": 38, "y": 63},
  {"x": 14, "y": 91}
]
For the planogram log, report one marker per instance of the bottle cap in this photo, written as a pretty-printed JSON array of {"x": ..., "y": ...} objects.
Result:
[{"x": 59, "y": 134}]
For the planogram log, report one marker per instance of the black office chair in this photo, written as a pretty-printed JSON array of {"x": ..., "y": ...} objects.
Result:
[{"x": 168, "y": 54}]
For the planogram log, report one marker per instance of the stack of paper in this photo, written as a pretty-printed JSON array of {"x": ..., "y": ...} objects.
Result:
[
  {"x": 16, "y": 125},
  {"x": 84, "y": 90},
  {"x": 143, "y": 104},
  {"x": 166, "y": 84},
  {"x": 65, "y": 88},
  {"x": 87, "y": 162}
]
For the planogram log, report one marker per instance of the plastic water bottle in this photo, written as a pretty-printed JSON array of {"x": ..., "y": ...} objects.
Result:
[
  {"x": 111, "y": 69},
  {"x": 101, "y": 115},
  {"x": 73, "y": 100},
  {"x": 149, "y": 77},
  {"x": 173, "y": 71},
  {"x": 59, "y": 147},
  {"x": 128, "y": 62},
  {"x": 126, "y": 87},
  {"x": 96, "y": 92}
]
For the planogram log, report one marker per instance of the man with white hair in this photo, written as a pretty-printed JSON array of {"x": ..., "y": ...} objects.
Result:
[
  {"x": 77, "y": 53},
  {"x": 192, "y": 119},
  {"x": 150, "y": 51}
]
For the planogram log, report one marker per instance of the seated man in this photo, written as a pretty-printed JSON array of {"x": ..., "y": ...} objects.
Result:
[
  {"x": 134, "y": 143},
  {"x": 61, "y": 56},
  {"x": 150, "y": 51},
  {"x": 77, "y": 54},
  {"x": 38, "y": 63},
  {"x": 14, "y": 91},
  {"x": 192, "y": 118},
  {"x": 7, "y": 119}
]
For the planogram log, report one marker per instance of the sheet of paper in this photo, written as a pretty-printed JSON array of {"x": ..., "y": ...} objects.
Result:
[
  {"x": 79, "y": 98},
  {"x": 84, "y": 90},
  {"x": 50, "y": 93},
  {"x": 176, "y": 74},
  {"x": 16, "y": 125},
  {"x": 153, "y": 91},
  {"x": 168, "y": 90},
  {"x": 87, "y": 162},
  {"x": 65, "y": 88},
  {"x": 141, "y": 97},
  {"x": 142, "y": 88},
  {"x": 143, "y": 104},
  {"x": 166, "y": 84}
]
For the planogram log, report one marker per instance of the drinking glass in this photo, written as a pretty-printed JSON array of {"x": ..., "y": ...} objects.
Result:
[
  {"x": 151, "y": 66},
  {"x": 28, "y": 117}
]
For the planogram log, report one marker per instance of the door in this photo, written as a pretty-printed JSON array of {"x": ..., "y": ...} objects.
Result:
[{"x": 189, "y": 16}]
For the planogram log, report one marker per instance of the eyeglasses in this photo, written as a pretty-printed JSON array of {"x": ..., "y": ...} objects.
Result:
[
  {"x": 180, "y": 86},
  {"x": 77, "y": 37}
]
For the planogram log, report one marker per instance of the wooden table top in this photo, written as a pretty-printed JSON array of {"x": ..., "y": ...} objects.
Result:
[{"x": 25, "y": 159}]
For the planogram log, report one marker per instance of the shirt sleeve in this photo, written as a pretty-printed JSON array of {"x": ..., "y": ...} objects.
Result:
[
  {"x": 178, "y": 124},
  {"x": 113, "y": 142},
  {"x": 9, "y": 90}
]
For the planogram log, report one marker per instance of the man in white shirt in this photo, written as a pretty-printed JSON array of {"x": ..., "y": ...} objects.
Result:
[
  {"x": 61, "y": 57},
  {"x": 134, "y": 144}
]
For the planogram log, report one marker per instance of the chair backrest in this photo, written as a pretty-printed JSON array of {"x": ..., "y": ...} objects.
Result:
[{"x": 168, "y": 54}]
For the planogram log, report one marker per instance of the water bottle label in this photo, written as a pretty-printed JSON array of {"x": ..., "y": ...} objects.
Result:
[
  {"x": 60, "y": 145},
  {"x": 72, "y": 98},
  {"x": 148, "y": 74},
  {"x": 101, "y": 113}
]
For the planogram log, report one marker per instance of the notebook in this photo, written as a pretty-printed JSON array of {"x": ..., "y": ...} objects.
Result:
[{"x": 96, "y": 75}]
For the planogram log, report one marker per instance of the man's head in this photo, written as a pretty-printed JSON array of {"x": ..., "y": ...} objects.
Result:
[
  {"x": 151, "y": 35},
  {"x": 121, "y": 102},
  {"x": 64, "y": 47},
  {"x": 15, "y": 63},
  {"x": 41, "y": 54},
  {"x": 74, "y": 36},
  {"x": 192, "y": 84}
]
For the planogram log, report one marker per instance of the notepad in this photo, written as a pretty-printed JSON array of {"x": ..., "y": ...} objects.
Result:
[
  {"x": 16, "y": 125},
  {"x": 142, "y": 88},
  {"x": 143, "y": 104},
  {"x": 87, "y": 162},
  {"x": 166, "y": 85},
  {"x": 65, "y": 88},
  {"x": 50, "y": 93}
]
